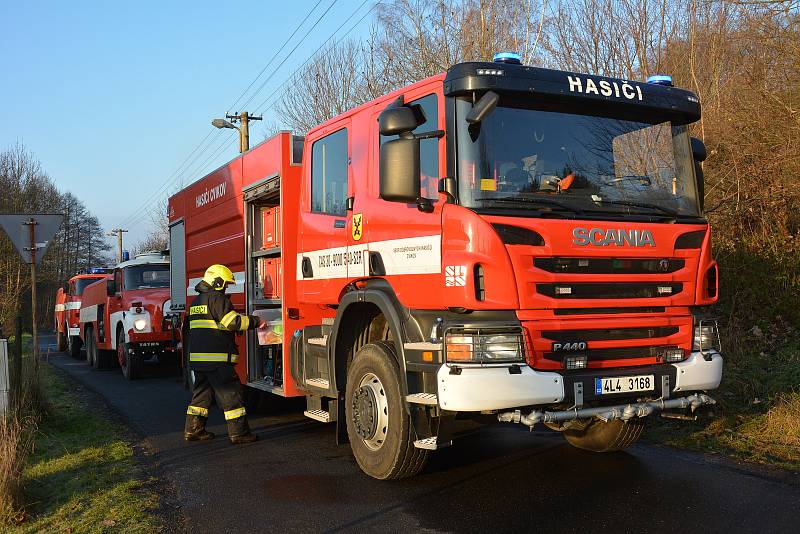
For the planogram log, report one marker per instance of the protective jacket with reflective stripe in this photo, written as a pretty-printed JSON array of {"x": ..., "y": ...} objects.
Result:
[{"x": 213, "y": 324}]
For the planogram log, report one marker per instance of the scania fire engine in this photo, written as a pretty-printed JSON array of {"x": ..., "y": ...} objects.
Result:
[
  {"x": 498, "y": 239},
  {"x": 126, "y": 316},
  {"x": 67, "y": 309}
]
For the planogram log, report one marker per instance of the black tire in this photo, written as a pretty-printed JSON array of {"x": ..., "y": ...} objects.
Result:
[
  {"x": 611, "y": 436},
  {"x": 74, "y": 346},
  {"x": 387, "y": 452},
  {"x": 131, "y": 364},
  {"x": 61, "y": 341},
  {"x": 91, "y": 347}
]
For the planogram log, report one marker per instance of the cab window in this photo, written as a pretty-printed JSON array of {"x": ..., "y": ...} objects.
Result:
[
  {"x": 329, "y": 174},
  {"x": 426, "y": 108}
]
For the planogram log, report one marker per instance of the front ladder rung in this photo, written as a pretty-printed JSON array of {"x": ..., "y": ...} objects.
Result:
[
  {"x": 320, "y": 415},
  {"x": 431, "y": 444},
  {"x": 429, "y": 399}
]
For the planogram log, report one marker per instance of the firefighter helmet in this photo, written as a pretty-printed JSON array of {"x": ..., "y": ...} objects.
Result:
[{"x": 218, "y": 275}]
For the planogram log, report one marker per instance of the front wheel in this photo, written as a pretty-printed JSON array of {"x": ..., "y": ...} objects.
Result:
[
  {"x": 130, "y": 363},
  {"x": 378, "y": 425},
  {"x": 61, "y": 341},
  {"x": 605, "y": 436}
]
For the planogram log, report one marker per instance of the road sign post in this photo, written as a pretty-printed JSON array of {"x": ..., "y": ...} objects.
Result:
[
  {"x": 4, "y": 380},
  {"x": 30, "y": 234}
]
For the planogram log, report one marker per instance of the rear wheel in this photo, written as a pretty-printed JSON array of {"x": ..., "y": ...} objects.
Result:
[
  {"x": 605, "y": 436},
  {"x": 130, "y": 363},
  {"x": 61, "y": 341},
  {"x": 91, "y": 347},
  {"x": 378, "y": 426}
]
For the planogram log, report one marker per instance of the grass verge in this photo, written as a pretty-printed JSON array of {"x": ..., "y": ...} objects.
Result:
[
  {"x": 81, "y": 475},
  {"x": 757, "y": 416}
]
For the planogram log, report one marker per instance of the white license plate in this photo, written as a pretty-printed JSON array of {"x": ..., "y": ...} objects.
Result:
[{"x": 623, "y": 384}]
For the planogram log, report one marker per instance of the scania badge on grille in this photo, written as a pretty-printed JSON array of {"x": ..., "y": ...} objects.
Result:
[{"x": 612, "y": 236}]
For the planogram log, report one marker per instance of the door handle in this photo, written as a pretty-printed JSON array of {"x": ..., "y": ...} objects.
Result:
[
  {"x": 339, "y": 223},
  {"x": 305, "y": 267}
]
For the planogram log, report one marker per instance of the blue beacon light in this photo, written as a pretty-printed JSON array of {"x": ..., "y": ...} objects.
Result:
[
  {"x": 511, "y": 58},
  {"x": 660, "y": 79}
]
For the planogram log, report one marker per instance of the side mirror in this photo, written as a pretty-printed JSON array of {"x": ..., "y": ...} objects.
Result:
[
  {"x": 699, "y": 154},
  {"x": 111, "y": 288},
  {"x": 698, "y": 149},
  {"x": 397, "y": 120},
  {"x": 483, "y": 107},
  {"x": 65, "y": 287},
  {"x": 399, "y": 170}
]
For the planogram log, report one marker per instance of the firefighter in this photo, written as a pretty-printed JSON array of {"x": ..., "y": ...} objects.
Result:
[{"x": 213, "y": 325}]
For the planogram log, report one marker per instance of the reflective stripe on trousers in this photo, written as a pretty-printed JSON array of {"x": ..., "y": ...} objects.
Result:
[
  {"x": 197, "y": 410},
  {"x": 233, "y": 414}
]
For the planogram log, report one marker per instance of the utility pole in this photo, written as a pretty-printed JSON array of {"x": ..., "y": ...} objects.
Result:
[
  {"x": 117, "y": 232},
  {"x": 242, "y": 118}
]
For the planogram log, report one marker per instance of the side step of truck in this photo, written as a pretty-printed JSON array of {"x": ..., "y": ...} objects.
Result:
[
  {"x": 428, "y": 399},
  {"x": 431, "y": 444},
  {"x": 319, "y": 415}
]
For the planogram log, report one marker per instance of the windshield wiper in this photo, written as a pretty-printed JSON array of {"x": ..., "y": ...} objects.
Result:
[
  {"x": 528, "y": 200},
  {"x": 671, "y": 213}
]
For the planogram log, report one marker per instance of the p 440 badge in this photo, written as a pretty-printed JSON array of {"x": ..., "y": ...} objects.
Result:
[{"x": 574, "y": 346}]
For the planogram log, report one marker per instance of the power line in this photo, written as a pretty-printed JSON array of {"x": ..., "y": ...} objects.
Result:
[
  {"x": 263, "y": 106},
  {"x": 170, "y": 181},
  {"x": 297, "y": 28},
  {"x": 287, "y": 56}
]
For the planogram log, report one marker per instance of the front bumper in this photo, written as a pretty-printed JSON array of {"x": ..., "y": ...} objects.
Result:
[{"x": 473, "y": 389}]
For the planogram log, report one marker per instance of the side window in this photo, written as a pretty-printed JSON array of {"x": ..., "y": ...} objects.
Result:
[
  {"x": 427, "y": 108},
  {"x": 329, "y": 174}
]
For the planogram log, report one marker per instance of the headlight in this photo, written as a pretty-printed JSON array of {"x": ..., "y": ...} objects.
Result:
[
  {"x": 706, "y": 336},
  {"x": 140, "y": 324},
  {"x": 481, "y": 346}
]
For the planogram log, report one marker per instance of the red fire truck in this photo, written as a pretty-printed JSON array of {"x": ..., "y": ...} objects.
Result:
[
  {"x": 67, "y": 309},
  {"x": 126, "y": 316},
  {"x": 498, "y": 239}
]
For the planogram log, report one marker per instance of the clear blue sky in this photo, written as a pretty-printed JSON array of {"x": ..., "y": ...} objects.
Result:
[{"x": 112, "y": 97}]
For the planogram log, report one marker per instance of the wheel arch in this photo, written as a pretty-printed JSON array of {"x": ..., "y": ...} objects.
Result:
[{"x": 355, "y": 325}]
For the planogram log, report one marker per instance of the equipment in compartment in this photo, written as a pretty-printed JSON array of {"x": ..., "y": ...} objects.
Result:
[
  {"x": 271, "y": 229},
  {"x": 270, "y": 276}
]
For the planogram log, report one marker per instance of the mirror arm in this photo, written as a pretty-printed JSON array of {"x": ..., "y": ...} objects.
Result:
[
  {"x": 434, "y": 134},
  {"x": 424, "y": 205}
]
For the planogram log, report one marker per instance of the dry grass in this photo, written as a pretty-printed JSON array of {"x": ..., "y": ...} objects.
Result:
[{"x": 17, "y": 430}]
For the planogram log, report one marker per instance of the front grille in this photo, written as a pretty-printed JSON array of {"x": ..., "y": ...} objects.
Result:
[
  {"x": 608, "y": 290},
  {"x": 608, "y": 311},
  {"x": 621, "y": 353},
  {"x": 605, "y": 334},
  {"x": 609, "y": 265}
]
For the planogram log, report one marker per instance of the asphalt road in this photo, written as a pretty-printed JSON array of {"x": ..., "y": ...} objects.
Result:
[{"x": 494, "y": 477}]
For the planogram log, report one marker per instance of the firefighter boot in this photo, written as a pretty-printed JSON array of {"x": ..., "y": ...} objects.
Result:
[
  {"x": 239, "y": 431},
  {"x": 195, "y": 429}
]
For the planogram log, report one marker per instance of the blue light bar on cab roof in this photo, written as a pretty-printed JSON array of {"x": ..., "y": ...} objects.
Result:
[
  {"x": 508, "y": 57},
  {"x": 660, "y": 79}
]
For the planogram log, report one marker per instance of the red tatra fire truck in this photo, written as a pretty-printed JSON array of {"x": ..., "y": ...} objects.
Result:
[
  {"x": 67, "y": 309},
  {"x": 497, "y": 239},
  {"x": 126, "y": 316}
]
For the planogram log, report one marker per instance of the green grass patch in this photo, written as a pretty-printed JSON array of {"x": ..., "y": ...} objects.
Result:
[
  {"x": 757, "y": 417},
  {"x": 82, "y": 476}
]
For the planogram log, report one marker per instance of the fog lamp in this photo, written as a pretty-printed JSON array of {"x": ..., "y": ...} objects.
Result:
[
  {"x": 575, "y": 362},
  {"x": 673, "y": 355},
  {"x": 139, "y": 324}
]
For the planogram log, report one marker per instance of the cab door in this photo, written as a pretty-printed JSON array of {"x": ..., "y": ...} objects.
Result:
[{"x": 324, "y": 218}]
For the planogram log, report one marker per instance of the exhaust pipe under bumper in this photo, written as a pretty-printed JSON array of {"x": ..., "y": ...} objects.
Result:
[{"x": 606, "y": 413}]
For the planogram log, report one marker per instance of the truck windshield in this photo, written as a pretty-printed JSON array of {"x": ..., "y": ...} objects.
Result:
[
  {"x": 547, "y": 162},
  {"x": 83, "y": 283},
  {"x": 146, "y": 276}
]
